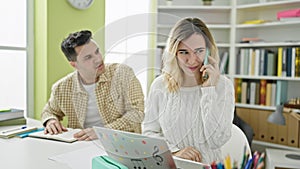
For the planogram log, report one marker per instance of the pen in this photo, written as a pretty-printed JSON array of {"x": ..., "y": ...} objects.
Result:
[
  {"x": 16, "y": 129},
  {"x": 261, "y": 158},
  {"x": 249, "y": 163},
  {"x": 244, "y": 158}
]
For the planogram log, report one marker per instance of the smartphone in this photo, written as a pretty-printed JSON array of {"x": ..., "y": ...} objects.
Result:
[{"x": 205, "y": 62}]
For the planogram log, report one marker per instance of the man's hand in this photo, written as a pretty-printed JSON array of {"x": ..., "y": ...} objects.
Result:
[
  {"x": 86, "y": 134},
  {"x": 53, "y": 126},
  {"x": 189, "y": 153}
]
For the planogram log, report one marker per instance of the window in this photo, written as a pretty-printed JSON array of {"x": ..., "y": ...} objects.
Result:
[
  {"x": 13, "y": 54},
  {"x": 126, "y": 35}
]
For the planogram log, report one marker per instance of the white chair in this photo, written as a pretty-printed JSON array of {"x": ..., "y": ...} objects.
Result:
[{"x": 235, "y": 146}]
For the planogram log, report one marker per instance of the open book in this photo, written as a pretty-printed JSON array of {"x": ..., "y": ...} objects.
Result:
[{"x": 64, "y": 137}]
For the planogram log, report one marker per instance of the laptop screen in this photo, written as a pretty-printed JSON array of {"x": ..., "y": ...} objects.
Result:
[{"x": 140, "y": 152}]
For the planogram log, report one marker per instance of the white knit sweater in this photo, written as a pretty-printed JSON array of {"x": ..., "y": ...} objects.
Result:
[{"x": 200, "y": 117}]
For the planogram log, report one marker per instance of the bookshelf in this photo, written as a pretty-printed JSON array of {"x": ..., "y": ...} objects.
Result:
[{"x": 225, "y": 20}]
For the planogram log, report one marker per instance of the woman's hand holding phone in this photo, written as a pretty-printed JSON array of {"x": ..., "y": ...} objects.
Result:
[{"x": 211, "y": 70}]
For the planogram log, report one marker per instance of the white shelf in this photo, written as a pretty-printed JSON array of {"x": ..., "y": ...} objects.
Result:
[
  {"x": 211, "y": 26},
  {"x": 272, "y": 145},
  {"x": 267, "y": 44},
  {"x": 194, "y": 7},
  {"x": 252, "y": 106},
  {"x": 267, "y": 4},
  {"x": 223, "y": 45},
  {"x": 266, "y": 77},
  {"x": 268, "y": 24}
]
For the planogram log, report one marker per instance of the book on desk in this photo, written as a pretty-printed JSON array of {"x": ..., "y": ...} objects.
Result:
[
  {"x": 63, "y": 137},
  {"x": 12, "y": 132},
  {"x": 11, "y": 113}
]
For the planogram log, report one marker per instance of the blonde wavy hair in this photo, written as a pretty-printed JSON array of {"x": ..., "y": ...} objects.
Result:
[{"x": 182, "y": 30}]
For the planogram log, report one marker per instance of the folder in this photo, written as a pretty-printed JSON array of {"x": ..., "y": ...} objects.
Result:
[
  {"x": 272, "y": 132},
  {"x": 254, "y": 118},
  {"x": 293, "y": 129},
  {"x": 283, "y": 131},
  {"x": 263, "y": 125}
]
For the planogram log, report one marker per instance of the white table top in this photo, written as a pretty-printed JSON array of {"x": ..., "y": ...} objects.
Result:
[
  {"x": 32, "y": 153},
  {"x": 276, "y": 158}
]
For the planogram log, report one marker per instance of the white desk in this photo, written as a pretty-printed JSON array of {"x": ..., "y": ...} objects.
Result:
[
  {"x": 276, "y": 158},
  {"x": 32, "y": 153}
]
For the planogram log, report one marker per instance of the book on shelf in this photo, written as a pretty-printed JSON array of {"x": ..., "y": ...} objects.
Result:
[
  {"x": 268, "y": 94},
  {"x": 293, "y": 62},
  {"x": 279, "y": 61},
  {"x": 273, "y": 95},
  {"x": 297, "y": 62},
  {"x": 271, "y": 63},
  {"x": 224, "y": 63},
  {"x": 238, "y": 89},
  {"x": 281, "y": 92},
  {"x": 263, "y": 94},
  {"x": 252, "y": 92},
  {"x": 244, "y": 92},
  {"x": 66, "y": 136},
  {"x": 11, "y": 114},
  {"x": 263, "y": 62},
  {"x": 284, "y": 64},
  {"x": 11, "y": 122}
]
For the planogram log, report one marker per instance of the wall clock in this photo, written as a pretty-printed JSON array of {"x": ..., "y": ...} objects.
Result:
[{"x": 81, "y": 4}]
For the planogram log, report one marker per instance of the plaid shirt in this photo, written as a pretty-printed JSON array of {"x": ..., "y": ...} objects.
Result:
[{"x": 119, "y": 95}]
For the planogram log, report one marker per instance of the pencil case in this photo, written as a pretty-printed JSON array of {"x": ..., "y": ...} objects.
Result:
[{"x": 105, "y": 162}]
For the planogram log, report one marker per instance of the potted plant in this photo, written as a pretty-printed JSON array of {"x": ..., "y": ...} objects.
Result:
[{"x": 207, "y": 2}]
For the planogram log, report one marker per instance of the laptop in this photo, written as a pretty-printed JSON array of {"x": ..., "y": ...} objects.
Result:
[{"x": 141, "y": 152}]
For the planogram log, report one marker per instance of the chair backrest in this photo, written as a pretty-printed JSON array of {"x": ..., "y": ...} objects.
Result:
[{"x": 236, "y": 146}]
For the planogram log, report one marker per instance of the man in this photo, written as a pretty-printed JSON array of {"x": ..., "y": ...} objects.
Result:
[{"x": 95, "y": 94}]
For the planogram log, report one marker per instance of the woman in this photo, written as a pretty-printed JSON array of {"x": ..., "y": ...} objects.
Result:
[{"x": 192, "y": 113}]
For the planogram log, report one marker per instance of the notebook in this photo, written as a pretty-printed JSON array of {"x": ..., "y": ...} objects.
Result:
[
  {"x": 138, "y": 151},
  {"x": 64, "y": 136}
]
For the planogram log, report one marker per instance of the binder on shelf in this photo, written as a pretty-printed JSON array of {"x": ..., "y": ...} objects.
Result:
[
  {"x": 282, "y": 137},
  {"x": 293, "y": 129},
  {"x": 254, "y": 122},
  {"x": 263, "y": 125},
  {"x": 272, "y": 132}
]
